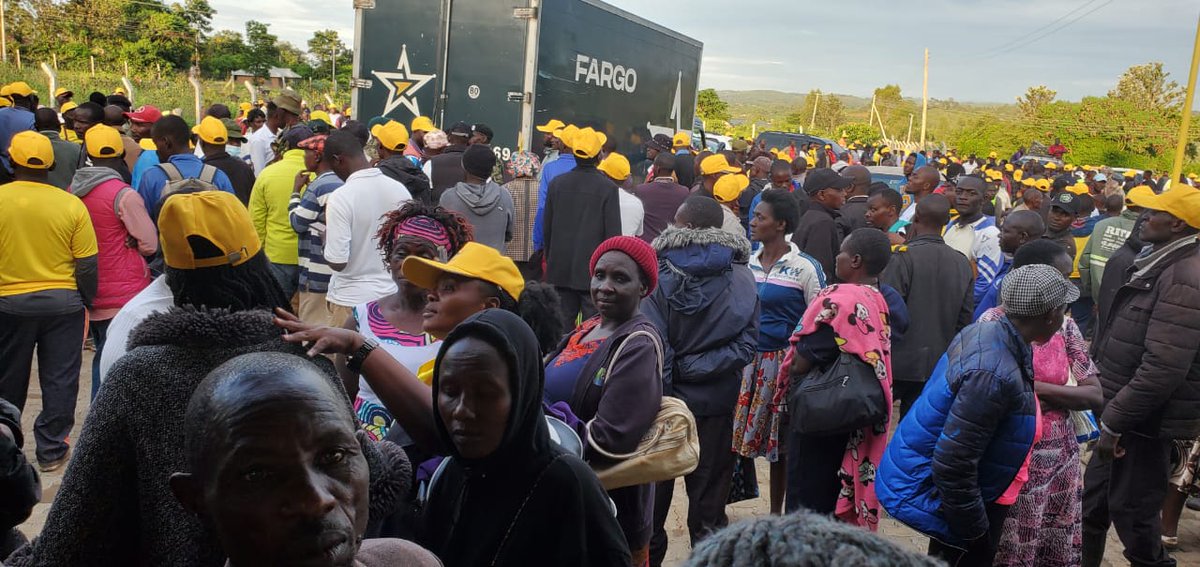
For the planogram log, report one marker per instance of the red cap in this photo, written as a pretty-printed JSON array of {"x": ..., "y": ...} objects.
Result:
[
  {"x": 146, "y": 114},
  {"x": 641, "y": 253}
]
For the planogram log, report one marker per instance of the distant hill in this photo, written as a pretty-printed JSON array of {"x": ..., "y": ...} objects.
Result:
[{"x": 780, "y": 101}]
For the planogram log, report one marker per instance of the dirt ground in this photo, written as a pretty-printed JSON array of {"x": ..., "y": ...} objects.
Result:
[{"x": 1189, "y": 536}]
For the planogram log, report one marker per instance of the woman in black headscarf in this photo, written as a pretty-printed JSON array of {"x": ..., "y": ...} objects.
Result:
[{"x": 508, "y": 495}]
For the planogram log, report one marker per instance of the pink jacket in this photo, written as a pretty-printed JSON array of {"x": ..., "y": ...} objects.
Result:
[{"x": 124, "y": 233}]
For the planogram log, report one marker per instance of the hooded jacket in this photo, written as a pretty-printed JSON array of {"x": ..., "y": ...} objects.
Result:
[
  {"x": 966, "y": 437},
  {"x": 1149, "y": 354},
  {"x": 410, "y": 175},
  {"x": 489, "y": 207},
  {"x": 706, "y": 308},
  {"x": 122, "y": 269},
  {"x": 115, "y": 506},
  {"x": 529, "y": 502}
]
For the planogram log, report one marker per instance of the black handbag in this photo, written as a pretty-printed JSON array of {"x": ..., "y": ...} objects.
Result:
[{"x": 844, "y": 397}]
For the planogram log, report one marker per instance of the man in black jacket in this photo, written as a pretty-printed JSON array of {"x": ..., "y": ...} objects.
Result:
[
  {"x": 582, "y": 210},
  {"x": 818, "y": 234},
  {"x": 937, "y": 285},
  {"x": 853, "y": 213},
  {"x": 707, "y": 310},
  {"x": 1149, "y": 362},
  {"x": 445, "y": 169},
  {"x": 393, "y": 139},
  {"x": 214, "y": 135}
]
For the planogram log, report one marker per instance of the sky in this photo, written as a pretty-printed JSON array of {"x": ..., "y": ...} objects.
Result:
[{"x": 979, "y": 50}]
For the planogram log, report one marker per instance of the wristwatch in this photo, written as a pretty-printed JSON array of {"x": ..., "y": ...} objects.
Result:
[{"x": 356, "y": 359}]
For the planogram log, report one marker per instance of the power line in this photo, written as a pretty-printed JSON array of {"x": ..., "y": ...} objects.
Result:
[
  {"x": 1030, "y": 33},
  {"x": 1050, "y": 32}
]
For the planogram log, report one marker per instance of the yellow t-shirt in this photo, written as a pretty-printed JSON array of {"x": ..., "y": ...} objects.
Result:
[{"x": 43, "y": 229}]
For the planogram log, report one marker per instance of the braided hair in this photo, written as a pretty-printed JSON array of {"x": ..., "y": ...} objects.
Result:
[
  {"x": 237, "y": 288},
  {"x": 801, "y": 538},
  {"x": 457, "y": 227}
]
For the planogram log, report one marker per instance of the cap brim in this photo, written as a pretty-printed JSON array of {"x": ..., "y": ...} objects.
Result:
[
  {"x": 1145, "y": 200},
  {"x": 425, "y": 272},
  {"x": 546, "y": 129},
  {"x": 1072, "y": 295}
]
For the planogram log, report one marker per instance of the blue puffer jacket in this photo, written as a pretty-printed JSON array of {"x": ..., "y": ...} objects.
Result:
[
  {"x": 706, "y": 308},
  {"x": 965, "y": 438}
]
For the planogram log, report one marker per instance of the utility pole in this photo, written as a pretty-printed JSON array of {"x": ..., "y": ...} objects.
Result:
[
  {"x": 812, "y": 123},
  {"x": 3, "y": 34},
  {"x": 925, "y": 98},
  {"x": 908, "y": 138},
  {"x": 871, "y": 114},
  {"x": 1186, "y": 121},
  {"x": 333, "y": 69}
]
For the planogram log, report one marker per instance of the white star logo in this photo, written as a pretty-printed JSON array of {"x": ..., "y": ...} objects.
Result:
[{"x": 402, "y": 84}]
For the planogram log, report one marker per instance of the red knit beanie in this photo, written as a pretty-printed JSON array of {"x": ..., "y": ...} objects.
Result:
[{"x": 637, "y": 249}]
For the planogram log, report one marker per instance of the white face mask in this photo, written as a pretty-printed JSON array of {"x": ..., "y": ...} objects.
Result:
[{"x": 234, "y": 151}]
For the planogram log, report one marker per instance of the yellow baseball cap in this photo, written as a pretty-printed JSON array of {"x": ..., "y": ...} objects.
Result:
[
  {"x": 615, "y": 166},
  {"x": 475, "y": 260},
  {"x": 1028, "y": 182},
  {"x": 1078, "y": 188},
  {"x": 1043, "y": 185},
  {"x": 1051, "y": 165},
  {"x": 422, "y": 123},
  {"x": 320, "y": 115},
  {"x": 717, "y": 164},
  {"x": 1008, "y": 167},
  {"x": 62, "y": 91},
  {"x": 391, "y": 135},
  {"x": 1018, "y": 174},
  {"x": 104, "y": 141},
  {"x": 729, "y": 187},
  {"x": 587, "y": 143},
  {"x": 214, "y": 216},
  {"x": 943, "y": 161},
  {"x": 20, "y": 88},
  {"x": 550, "y": 126},
  {"x": 681, "y": 140},
  {"x": 4, "y": 101},
  {"x": 245, "y": 107},
  {"x": 1192, "y": 176},
  {"x": 119, "y": 90},
  {"x": 1139, "y": 193},
  {"x": 212, "y": 130},
  {"x": 993, "y": 155},
  {"x": 567, "y": 134},
  {"x": 32, "y": 150},
  {"x": 1069, "y": 167},
  {"x": 1181, "y": 201}
]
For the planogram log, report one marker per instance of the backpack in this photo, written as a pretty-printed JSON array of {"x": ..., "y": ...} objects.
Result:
[{"x": 177, "y": 182}]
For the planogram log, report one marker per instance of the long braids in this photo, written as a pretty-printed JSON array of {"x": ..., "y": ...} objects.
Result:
[{"x": 236, "y": 288}]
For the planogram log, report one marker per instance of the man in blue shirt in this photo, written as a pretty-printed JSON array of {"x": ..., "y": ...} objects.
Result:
[
  {"x": 1018, "y": 228},
  {"x": 171, "y": 136},
  {"x": 15, "y": 118},
  {"x": 564, "y": 163}
]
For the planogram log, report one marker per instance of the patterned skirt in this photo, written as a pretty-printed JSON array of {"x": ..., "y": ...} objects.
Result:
[
  {"x": 1045, "y": 527},
  {"x": 375, "y": 418},
  {"x": 760, "y": 407}
]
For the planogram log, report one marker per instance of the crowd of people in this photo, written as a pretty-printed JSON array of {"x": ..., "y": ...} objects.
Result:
[{"x": 325, "y": 341}]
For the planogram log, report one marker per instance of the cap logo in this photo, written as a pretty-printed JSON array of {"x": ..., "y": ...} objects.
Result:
[{"x": 1064, "y": 198}]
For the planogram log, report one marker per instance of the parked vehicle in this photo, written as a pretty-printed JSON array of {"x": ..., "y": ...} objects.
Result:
[
  {"x": 781, "y": 140},
  {"x": 514, "y": 65}
]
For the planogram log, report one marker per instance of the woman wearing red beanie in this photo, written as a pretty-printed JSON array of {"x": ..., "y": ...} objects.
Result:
[{"x": 609, "y": 370}]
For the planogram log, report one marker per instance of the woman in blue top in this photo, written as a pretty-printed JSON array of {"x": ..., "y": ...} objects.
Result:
[{"x": 787, "y": 280}]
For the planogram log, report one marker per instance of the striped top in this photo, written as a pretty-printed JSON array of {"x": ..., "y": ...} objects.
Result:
[
  {"x": 307, "y": 215},
  {"x": 784, "y": 291},
  {"x": 980, "y": 243}
]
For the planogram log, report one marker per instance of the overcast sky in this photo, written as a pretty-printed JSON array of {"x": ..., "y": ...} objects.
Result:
[{"x": 980, "y": 50}]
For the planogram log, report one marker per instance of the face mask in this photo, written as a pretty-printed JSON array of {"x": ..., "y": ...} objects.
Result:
[{"x": 234, "y": 151}]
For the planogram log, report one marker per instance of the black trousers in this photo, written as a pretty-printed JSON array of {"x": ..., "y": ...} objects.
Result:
[
  {"x": 574, "y": 303},
  {"x": 1128, "y": 493},
  {"x": 812, "y": 472},
  {"x": 981, "y": 552},
  {"x": 58, "y": 340},
  {"x": 907, "y": 393},
  {"x": 707, "y": 487}
]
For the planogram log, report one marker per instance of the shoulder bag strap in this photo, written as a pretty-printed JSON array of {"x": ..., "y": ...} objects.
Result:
[
  {"x": 208, "y": 173},
  {"x": 612, "y": 362},
  {"x": 117, "y": 200}
]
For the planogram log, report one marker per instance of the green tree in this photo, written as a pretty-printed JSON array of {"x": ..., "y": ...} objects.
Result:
[
  {"x": 831, "y": 111},
  {"x": 1147, "y": 87},
  {"x": 198, "y": 14},
  {"x": 711, "y": 108},
  {"x": 857, "y": 132},
  {"x": 1035, "y": 98},
  {"x": 224, "y": 52},
  {"x": 293, "y": 58},
  {"x": 261, "y": 50}
]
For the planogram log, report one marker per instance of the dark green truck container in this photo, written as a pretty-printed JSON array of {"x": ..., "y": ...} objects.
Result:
[{"x": 514, "y": 65}]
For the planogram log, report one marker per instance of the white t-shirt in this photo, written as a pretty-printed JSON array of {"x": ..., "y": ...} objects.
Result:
[
  {"x": 352, "y": 217},
  {"x": 260, "y": 148},
  {"x": 633, "y": 213},
  {"x": 155, "y": 298}
]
